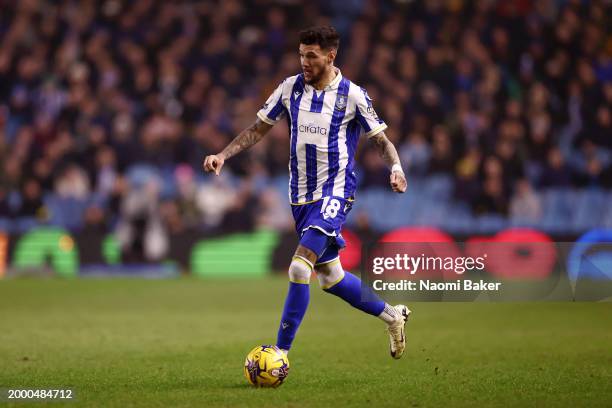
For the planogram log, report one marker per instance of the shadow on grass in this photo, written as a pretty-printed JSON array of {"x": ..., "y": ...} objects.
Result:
[{"x": 237, "y": 386}]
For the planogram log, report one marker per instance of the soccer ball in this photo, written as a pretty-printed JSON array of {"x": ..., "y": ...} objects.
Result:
[{"x": 266, "y": 366}]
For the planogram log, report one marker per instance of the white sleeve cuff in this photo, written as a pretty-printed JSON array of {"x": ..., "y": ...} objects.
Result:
[
  {"x": 376, "y": 130},
  {"x": 266, "y": 119}
]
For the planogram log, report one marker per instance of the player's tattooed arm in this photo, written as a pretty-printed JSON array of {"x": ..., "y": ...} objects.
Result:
[
  {"x": 391, "y": 158},
  {"x": 247, "y": 138},
  {"x": 386, "y": 149}
]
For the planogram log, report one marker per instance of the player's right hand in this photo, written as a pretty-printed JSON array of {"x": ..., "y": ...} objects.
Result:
[{"x": 213, "y": 163}]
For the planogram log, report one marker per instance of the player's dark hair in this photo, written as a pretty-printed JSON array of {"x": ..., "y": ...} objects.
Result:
[{"x": 325, "y": 36}]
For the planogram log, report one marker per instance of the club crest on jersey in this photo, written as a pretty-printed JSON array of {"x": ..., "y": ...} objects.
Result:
[{"x": 341, "y": 101}]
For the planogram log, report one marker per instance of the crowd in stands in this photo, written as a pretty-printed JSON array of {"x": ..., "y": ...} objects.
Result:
[{"x": 114, "y": 104}]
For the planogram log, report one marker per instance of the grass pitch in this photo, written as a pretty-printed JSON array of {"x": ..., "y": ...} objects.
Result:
[{"x": 134, "y": 343}]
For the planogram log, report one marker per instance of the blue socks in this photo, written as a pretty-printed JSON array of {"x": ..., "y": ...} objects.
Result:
[
  {"x": 349, "y": 289},
  {"x": 296, "y": 304}
]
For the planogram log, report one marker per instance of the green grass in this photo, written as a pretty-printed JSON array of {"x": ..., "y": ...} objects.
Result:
[{"x": 182, "y": 343}]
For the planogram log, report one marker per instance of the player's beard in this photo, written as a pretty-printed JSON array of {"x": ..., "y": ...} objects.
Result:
[{"x": 315, "y": 77}]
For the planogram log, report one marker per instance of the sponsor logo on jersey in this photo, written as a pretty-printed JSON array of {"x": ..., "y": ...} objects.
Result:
[{"x": 312, "y": 129}]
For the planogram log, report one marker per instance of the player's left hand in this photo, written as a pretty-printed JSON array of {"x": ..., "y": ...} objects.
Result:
[{"x": 398, "y": 182}]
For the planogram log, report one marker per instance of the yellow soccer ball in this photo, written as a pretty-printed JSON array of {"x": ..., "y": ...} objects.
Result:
[{"x": 266, "y": 366}]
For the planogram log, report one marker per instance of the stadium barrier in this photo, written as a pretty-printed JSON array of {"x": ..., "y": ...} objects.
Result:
[{"x": 256, "y": 254}]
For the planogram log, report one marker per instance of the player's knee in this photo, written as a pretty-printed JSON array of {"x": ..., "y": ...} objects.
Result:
[
  {"x": 329, "y": 273},
  {"x": 306, "y": 253},
  {"x": 300, "y": 269}
]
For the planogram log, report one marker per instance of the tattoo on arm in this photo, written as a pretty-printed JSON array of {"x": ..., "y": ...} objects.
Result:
[
  {"x": 247, "y": 138},
  {"x": 386, "y": 149}
]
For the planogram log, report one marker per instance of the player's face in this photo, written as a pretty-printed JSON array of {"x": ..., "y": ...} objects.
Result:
[{"x": 315, "y": 62}]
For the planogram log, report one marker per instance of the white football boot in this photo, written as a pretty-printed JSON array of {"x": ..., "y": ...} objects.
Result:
[{"x": 397, "y": 337}]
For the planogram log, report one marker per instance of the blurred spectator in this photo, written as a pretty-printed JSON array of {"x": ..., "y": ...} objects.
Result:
[
  {"x": 599, "y": 132},
  {"x": 95, "y": 224},
  {"x": 467, "y": 184},
  {"x": 242, "y": 212},
  {"x": 171, "y": 217},
  {"x": 442, "y": 160},
  {"x": 214, "y": 199},
  {"x": 556, "y": 172},
  {"x": 31, "y": 200},
  {"x": 140, "y": 231},
  {"x": 72, "y": 183},
  {"x": 10, "y": 177},
  {"x": 186, "y": 202},
  {"x": 106, "y": 172},
  {"x": 525, "y": 204},
  {"x": 492, "y": 199},
  {"x": 484, "y": 92},
  {"x": 511, "y": 163},
  {"x": 415, "y": 155},
  {"x": 42, "y": 170},
  {"x": 590, "y": 163},
  {"x": 5, "y": 206}
]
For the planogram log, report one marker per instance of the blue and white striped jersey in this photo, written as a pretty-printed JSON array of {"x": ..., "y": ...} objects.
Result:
[{"x": 325, "y": 127}]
